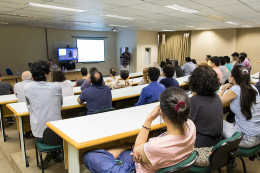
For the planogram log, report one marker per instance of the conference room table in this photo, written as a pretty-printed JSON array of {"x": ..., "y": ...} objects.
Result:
[
  {"x": 11, "y": 79},
  {"x": 255, "y": 77}
]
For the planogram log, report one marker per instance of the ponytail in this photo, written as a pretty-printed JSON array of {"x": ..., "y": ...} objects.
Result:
[{"x": 113, "y": 72}]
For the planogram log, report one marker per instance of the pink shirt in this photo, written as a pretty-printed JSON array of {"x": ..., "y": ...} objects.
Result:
[
  {"x": 168, "y": 150},
  {"x": 247, "y": 63},
  {"x": 219, "y": 73}
]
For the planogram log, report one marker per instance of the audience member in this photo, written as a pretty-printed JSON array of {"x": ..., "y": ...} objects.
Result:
[
  {"x": 84, "y": 73},
  {"x": 214, "y": 63},
  {"x": 145, "y": 77},
  {"x": 207, "y": 59},
  {"x": 153, "y": 91},
  {"x": 246, "y": 61},
  {"x": 241, "y": 59},
  {"x": 235, "y": 56},
  {"x": 112, "y": 75},
  {"x": 44, "y": 100},
  {"x": 177, "y": 69},
  {"x": 163, "y": 63},
  {"x": 194, "y": 62},
  {"x": 244, "y": 103},
  {"x": 224, "y": 70},
  {"x": 86, "y": 83},
  {"x": 168, "y": 61},
  {"x": 124, "y": 81},
  {"x": 19, "y": 87},
  {"x": 206, "y": 108},
  {"x": 53, "y": 66},
  {"x": 97, "y": 96},
  {"x": 188, "y": 67},
  {"x": 228, "y": 64},
  {"x": 66, "y": 85},
  {"x": 257, "y": 85},
  {"x": 169, "y": 81},
  {"x": 166, "y": 150},
  {"x": 203, "y": 64},
  {"x": 155, "y": 64}
]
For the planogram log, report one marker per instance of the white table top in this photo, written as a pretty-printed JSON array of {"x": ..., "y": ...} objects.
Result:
[
  {"x": 255, "y": 77},
  {"x": 7, "y": 98},
  {"x": 130, "y": 75}
]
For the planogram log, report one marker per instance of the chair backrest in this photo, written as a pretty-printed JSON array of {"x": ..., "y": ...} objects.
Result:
[
  {"x": 183, "y": 166},
  {"x": 51, "y": 138},
  {"x": 9, "y": 71},
  {"x": 103, "y": 110},
  {"x": 221, "y": 153}
]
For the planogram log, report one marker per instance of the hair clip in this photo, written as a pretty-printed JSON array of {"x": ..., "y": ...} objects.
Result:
[{"x": 245, "y": 70}]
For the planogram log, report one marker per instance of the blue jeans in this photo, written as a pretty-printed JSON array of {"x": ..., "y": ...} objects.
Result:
[{"x": 101, "y": 161}]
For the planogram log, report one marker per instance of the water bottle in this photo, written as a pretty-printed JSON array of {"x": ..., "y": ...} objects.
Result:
[{"x": 18, "y": 73}]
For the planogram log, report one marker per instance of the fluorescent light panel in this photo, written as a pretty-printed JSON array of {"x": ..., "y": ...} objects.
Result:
[
  {"x": 213, "y": 17},
  {"x": 187, "y": 26},
  {"x": 233, "y": 23},
  {"x": 118, "y": 17},
  {"x": 53, "y": 7},
  {"x": 19, "y": 15},
  {"x": 167, "y": 30},
  {"x": 75, "y": 21},
  {"x": 182, "y": 8},
  {"x": 162, "y": 23},
  {"x": 202, "y": 28},
  {"x": 247, "y": 26},
  {"x": 119, "y": 26}
]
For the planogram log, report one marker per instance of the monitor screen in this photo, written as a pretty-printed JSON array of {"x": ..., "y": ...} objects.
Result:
[{"x": 67, "y": 54}]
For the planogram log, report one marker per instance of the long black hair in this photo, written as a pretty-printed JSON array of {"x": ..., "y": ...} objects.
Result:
[{"x": 248, "y": 93}]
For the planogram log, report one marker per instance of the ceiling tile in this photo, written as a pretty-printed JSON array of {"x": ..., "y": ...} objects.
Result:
[
  {"x": 234, "y": 9},
  {"x": 217, "y": 3}
]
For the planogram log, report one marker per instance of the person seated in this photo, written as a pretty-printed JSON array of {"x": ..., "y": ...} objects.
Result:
[
  {"x": 203, "y": 64},
  {"x": 241, "y": 59},
  {"x": 206, "y": 112},
  {"x": 44, "y": 100},
  {"x": 151, "y": 155},
  {"x": 97, "y": 96},
  {"x": 177, "y": 69},
  {"x": 84, "y": 73},
  {"x": 19, "y": 87},
  {"x": 214, "y": 63},
  {"x": 188, "y": 67},
  {"x": 169, "y": 81},
  {"x": 163, "y": 63},
  {"x": 124, "y": 81},
  {"x": 246, "y": 61},
  {"x": 66, "y": 85},
  {"x": 112, "y": 75},
  {"x": 155, "y": 64},
  {"x": 53, "y": 66},
  {"x": 228, "y": 64},
  {"x": 168, "y": 61},
  {"x": 244, "y": 103},
  {"x": 235, "y": 56},
  {"x": 145, "y": 79},
  {"x": 86, "y": 83},
  {"x": 194, "y": 62},
  {"x": 224, "y": 70},
  {"x": 207, "y": 59},
  {"x": 153, "y": 91}
]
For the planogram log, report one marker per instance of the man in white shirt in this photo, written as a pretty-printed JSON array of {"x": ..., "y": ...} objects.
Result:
[
  {"x": 19, "y": 87},
  {"x": 188, "y": 67}
]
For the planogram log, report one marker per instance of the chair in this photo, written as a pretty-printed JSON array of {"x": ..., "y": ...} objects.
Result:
[
  {"x": 103, "y": 110},
  {"x": 9, "y": 71},
  {"x": 249, "y": 152},
  {"x": 183, "y": 166},
  {"x": 223, "y": 154},
  {"x": 52, "y": 143}
]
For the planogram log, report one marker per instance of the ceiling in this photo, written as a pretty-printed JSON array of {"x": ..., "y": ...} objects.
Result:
[{"x": 149, "y": 15}]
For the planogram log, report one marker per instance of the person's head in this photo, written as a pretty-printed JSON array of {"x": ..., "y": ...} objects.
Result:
[
  {"x": 40, "y": 71},
  {"x": 126, "y": 49},
  {"x": 188, "y": 59},
  {"x": 84, "y": 71},
  {"x": 168, "y": 70},
  {"x": 113, "y": 72},
  {"x": 194, "y": 61},
  {"x": 51, "y": 61},
  {"x": 58, "y": 76},
  {"x": 204, "y": 81},
  {"x": 96, "y": 78},
  {"x": 240, "y": 76},
  {"x": 175, "y": 107},
  {"x": 155, "y": 64},
  {"x": 167, "y": 61},
  {"x": 153, "y": 73},
  {"x": 214, "y": 61},
  {"x": 227, "y": 59},
  {"x": 244, "y": 54},
  {"x": 124, "y": 74},
  {"x": 222, "y": 60},
  {"x": 26, "y": 75},
  {"x": 162, "y": 64},
  {"x": 235, "y": 56},
  {"x": 208, "y": 57},
  {"x": 92, "y": 69},
  {"x": 241, "y": 58},
  {"x": 175, "y": 63},
  {"x": 145, "y": 75},
  {"x": 203, "y": 64}
]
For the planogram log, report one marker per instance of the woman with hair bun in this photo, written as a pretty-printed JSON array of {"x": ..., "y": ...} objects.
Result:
[{"x": 112, "y": 75}]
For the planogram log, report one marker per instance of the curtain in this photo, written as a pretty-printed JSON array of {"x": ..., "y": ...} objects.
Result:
[{"x": 177, "y": 46}]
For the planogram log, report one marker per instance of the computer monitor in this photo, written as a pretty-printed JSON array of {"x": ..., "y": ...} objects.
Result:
[{"x": 68, "y": 54}]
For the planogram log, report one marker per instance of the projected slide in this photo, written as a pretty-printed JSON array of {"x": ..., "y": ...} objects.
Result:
[{"x": 91, "y": 50}]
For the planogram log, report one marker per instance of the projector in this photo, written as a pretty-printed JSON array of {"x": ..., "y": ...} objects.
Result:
[{"x": 114, "y": 30}]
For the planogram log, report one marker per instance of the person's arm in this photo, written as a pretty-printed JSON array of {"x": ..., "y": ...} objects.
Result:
[
  {"x": 76, "y": 84},
  {"x": 227, "y": 97},
  {"x": 81, "y": 99},
  {"x": 142, "y": 99},
  {"x": 11, "y": 89}
]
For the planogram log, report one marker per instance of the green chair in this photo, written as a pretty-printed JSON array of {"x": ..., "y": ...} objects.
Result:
[
  {"x": 249, "y": 152},
  {"x": 183, "y": 166},
  {"x": 223, "y": 154}
]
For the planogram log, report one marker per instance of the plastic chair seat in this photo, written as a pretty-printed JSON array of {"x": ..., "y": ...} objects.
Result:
[
  {"x": 196, "y": 169},
  {"x": 246, "y": 152},
  {"x": 42, "y": 147}
]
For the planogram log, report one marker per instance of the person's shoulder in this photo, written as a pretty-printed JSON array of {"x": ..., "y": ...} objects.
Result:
[{"x": 191, "y": 125}]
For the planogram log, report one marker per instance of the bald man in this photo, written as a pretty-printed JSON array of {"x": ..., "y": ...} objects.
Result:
[{"x": 19, "y": 87}]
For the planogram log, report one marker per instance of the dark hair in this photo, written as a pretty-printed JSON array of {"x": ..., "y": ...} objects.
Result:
[
  {"x": 126, "y": 48},
  {"x": 244, "y": 54},
  {"x": 169, "y": 99},
  {"x": 227, "y": 59},
  {"x": 204, "y": 81},
  {"x": 124, "y": 73},
  {"x": 222, "y": 60},
  {"x": 0, "y": 75},
  {"x": 215, "y": 60},
  {"x": 113, "y": 71},
  {"x": 153, "y": 73},
  {"x": 39, "y": 69},
  {"x": 58, "y": 76},
  {"x": 242, "y": 57},
  {"x": 248, "y": 94},
  {"x": 209, "y": 56},
  {"x": 92, "y": 69},
  {"x": 194, "y": 61},
  {"x": 235, "y": 54},
  {"x": 188, "y": 59},
  {"x": 168, "y": 70},
  {"x": 167, "y": 61},
  {"x": 162, "y": 64},
  {"x": 84, "y": 71},
  {"x": 175, "y": 62},
  {"x": 95, "y": 80}
]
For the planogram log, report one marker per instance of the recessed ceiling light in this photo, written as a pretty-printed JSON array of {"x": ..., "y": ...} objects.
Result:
[
  {"x": 213, "y": 17},
  {"x": 119, "y": 26},
  {"x": 76, "y": 21},
  {"x": 167, "y": 30},
  {"x": 162, "y": 23},
  {"x": 3, "y": 23},
  {"x": 19, "y": 15},
  {"x": 118, "y": 17},
  {"x": 53, "y": 7},
  {"x": 247, "y": 26},
  {"x": 188, "y": 26},
  {"x": 181, "y": 8},
  {"x": 233, "y": 23},
  {"x": 202, "y": 28},
  {"x": 48, "y": 26}
]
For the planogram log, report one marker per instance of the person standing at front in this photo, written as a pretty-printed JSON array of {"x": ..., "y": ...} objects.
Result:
[{"x": 126, "y": 57}]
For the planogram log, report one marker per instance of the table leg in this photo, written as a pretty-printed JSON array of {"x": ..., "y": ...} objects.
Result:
[
  {"x": 22, "y": 142},
  {"x": 73, "y": 154},
  {"x": 2, "y": 124}
]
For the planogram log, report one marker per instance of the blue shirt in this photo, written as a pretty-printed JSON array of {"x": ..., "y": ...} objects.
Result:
[
  {"x": 229, "y": 66},
  {"x": 187, "y": 68},
  {"x": 150, "y": 93},
  {"x": 242, "y": 63},
  {"x": 170, "y": 82},
  {"x": 97, "y": 97}
]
